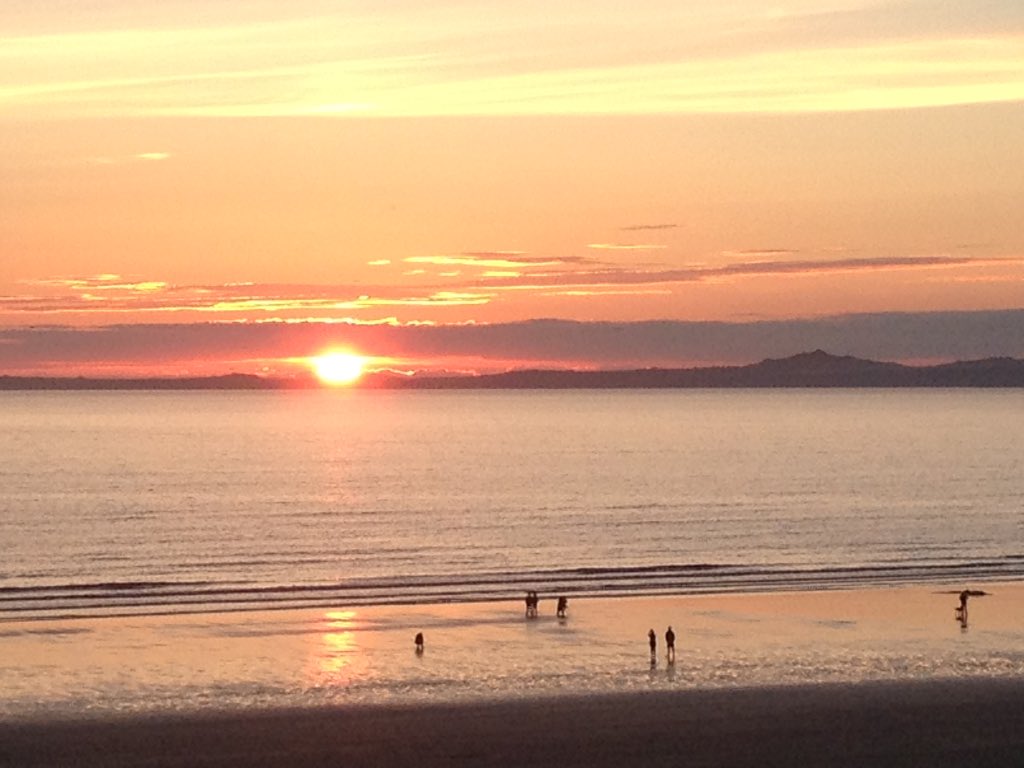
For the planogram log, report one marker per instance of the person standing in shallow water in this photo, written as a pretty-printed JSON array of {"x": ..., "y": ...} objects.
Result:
[
  {"x": 653, "y": 640},
  {"x": 419, "y": 642},
  {"x": 670, "y": 645}
]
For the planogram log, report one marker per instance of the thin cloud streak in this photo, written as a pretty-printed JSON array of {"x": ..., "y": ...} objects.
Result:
[
  {"x": 498, "y": 259},
  {"x": 740, "y": 270},
  {"x": 626, "y": 247},
  {"x": 762, "y": 252},
  {"x": 398, "y": 61},
  {"x": 109, "y": 293}
]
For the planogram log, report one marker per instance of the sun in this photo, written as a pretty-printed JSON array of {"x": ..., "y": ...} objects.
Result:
[{"x": 337, "y": 368}]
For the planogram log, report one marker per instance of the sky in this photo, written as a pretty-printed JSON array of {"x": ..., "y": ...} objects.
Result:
[{"x": 198, "y": 187}]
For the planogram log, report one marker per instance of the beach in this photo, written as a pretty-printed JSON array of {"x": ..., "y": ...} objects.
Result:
[
  {"x": 882, "y": 676},
  {"x": 949, "y": 723}
]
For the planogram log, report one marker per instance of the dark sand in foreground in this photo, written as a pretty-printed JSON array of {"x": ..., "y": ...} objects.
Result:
[{"x": 963, "y": 722}]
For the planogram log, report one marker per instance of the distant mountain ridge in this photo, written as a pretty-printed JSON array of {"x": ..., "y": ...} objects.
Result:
[
  {"x": 817, "y": 369},
  {"x": 808, "y": 369}
]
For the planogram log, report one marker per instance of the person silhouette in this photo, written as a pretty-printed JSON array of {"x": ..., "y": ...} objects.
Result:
[
  {"x": 419, "y": 642},
  {"x": 961, "y": 610},
  {"x": 670, "y": 645},
  {"x": 531, "y": 604},
  {"x": 653, "y": 640},
  {"x": 563, "y": 603}
]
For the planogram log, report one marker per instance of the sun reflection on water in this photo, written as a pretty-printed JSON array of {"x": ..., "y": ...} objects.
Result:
[{"x": 338, "y": 645}]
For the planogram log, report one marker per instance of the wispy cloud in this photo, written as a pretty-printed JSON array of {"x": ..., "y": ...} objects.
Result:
[
  {"x": 492, "y": 280},
  {"x": 123, "y": 159},
  {"x": 626, "y": 247},
  {"x": 646, "y": 227},
  {"x": 493, "y": 260},
  {"x": 762, "y": 252},
  {"x": 627, "y": 275},
  {"x": 596, "y": 292},
  {"x": 109, "y": 293},
  {"x": 498, "y": 255},
  {"x": 103, "y": 282},
  {"x": 400, "y": 60}
]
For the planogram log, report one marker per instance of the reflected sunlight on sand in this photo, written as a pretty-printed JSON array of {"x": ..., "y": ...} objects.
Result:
[{"x": 478, "y": 651}]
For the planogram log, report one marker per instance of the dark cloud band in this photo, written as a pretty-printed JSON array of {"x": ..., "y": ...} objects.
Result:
[{"x": 882, "y": 336}]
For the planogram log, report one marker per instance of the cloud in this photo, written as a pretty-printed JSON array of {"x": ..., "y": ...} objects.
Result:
[
  {"x": 592, "y": 292},
  {"x": 109, "y": 293},
  {"x": 494, "y": 260},
  {"x": 843, "y": 265},
  {"x": 78, "y": 297},
  {"x": 762, "y": 252},
  {"x": 122, "y": 159},
  {"x": 399, "y": 60},
  {"x": 627, "y": 275},
  {"x": 645, "y": 227},
  {"x": 877, "y": 23},
  {"x": 104, "y": 282},
  {"x": 626, "y": 247},
  {"x": 555, "y": 343}
]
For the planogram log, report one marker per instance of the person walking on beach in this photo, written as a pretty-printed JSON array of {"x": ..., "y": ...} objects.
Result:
[
  {"x": 563, "y": 603},
  {"x": 531, "y": 604},
  {"x": 419, "y": 642},
  {"x": 670, "y": 645},
  {"x": 653, "y": 640},
  {"x": 961, "y": 611}
]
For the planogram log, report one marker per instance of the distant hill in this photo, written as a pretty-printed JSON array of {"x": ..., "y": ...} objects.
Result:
[
  {"x": 810, "y": 369},
  {"x": 232, "y": 381}
]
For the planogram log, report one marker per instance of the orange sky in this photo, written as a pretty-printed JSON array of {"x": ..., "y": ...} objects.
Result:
[{"x": 412, "y": 163}]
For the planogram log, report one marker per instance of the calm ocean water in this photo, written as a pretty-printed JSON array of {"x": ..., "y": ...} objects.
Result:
[{"x": 152, "y": 502}]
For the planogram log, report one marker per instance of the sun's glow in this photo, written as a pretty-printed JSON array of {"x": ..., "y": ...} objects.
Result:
[{"x": 338, "y": 368}]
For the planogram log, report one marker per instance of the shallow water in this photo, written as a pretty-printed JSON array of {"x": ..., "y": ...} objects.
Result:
[{"x": 490, "y": 651}]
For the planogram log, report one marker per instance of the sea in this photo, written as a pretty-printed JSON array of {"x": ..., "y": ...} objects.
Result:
[
  {"x": 116, "y": 503},
  {"x": 174, "y": 551}
]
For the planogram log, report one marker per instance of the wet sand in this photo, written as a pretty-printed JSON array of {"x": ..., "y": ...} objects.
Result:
[
  {"x": 310, "y": 658},
  {"x": 948, "y": 723},
  {"x": 879, "y": 677}
]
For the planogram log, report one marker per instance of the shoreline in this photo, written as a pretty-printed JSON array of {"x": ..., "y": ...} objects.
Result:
[
  {"x": 933, "y": 722},
  {"x": 751, "y": 589},
  {"x": 481, "y": 652}
]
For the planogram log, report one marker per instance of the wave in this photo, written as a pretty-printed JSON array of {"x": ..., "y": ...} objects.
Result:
[{"x": 117, "y": 598}]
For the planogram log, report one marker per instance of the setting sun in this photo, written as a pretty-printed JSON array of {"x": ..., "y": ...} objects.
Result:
[{"x": 338, "y": 367}]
